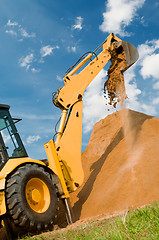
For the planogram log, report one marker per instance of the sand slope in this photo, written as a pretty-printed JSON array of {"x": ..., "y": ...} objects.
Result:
[{"x": 121, "y": 165}]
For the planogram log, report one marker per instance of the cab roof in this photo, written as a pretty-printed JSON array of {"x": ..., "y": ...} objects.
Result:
[{"x": 4, "y": 106}]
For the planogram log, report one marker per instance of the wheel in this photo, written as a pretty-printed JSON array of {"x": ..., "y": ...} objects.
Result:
[{"x": 31, "y": 198}]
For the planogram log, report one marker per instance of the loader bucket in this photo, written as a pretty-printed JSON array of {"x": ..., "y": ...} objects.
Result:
[
  {"x": 131, "y": 54},
  {"x": 125, "y": 52}
]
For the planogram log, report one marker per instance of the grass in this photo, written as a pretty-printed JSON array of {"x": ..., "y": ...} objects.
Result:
[{"x": 135, "y": 224}]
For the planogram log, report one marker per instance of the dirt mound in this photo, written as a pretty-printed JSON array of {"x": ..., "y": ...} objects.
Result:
[{"x": 121, "y": 165}]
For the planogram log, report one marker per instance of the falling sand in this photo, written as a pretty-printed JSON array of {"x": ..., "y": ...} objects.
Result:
[{"x": 115, "y": 86}]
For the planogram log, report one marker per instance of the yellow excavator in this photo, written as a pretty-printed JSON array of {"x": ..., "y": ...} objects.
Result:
[{"x": 30, "y": 189}]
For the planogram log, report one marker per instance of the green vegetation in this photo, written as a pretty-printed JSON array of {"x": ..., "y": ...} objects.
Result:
[{"x": 135, "y": 224}]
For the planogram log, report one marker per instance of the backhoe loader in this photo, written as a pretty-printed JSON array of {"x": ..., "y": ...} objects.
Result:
[{"x": 30, "y": 189}]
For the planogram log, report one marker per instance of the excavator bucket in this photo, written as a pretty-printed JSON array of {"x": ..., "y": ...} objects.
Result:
[
  {"x": 123, "y": 55},
  {"x": 131, "y": 54},
  {"x": 125, "y": 52}
]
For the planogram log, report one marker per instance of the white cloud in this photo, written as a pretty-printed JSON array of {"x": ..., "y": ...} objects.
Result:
[
  {"x": 156, "y": 101},
  {"x": 143, "y": 21},
  {"x": 132, "y": 90},
  {"x": 32, "y": 139},
  {"x": 19, "y": 31},
  {"x": 36, "y": 117},
  {"x": 34, "y": 70},
  {"x": 148, "y": 109},
  {"x": 6, "y": 137},
  {"x": 150, "y": 66},
  {"x": 147, "y": 66},
  {"x": 156, "y": 86},
  {"x": 25, "y": 34},
  {"x": 9, "y": 23},
  {"x": 26, "y": 61},
  {"x": 47, "y": 50},
  {"x": 11, "y": 32},
  {"x": 78, "y": 23},
  {"x": 59, "y": 78},
  {"x": 133, "y": 93},
  {"x": 119, "y": 14},
  {"x": 71, "y": 49},
  {"x": 148, "y": 48},
  {"x": 149, "y": 58}
]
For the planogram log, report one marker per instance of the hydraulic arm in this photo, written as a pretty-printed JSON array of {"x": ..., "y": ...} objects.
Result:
[{"x": 65, "y": 153}]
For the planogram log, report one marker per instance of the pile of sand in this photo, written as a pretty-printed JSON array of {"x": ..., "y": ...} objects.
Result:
[{"x": 121, "y": 165}]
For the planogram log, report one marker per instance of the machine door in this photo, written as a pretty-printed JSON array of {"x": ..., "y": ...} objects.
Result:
[{"x": 11, "y": 145}]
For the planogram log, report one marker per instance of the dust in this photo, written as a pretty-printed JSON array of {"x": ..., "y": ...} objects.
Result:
[
  {"x": 133, "y": 150},
  {"x": 132, "y": 160}
]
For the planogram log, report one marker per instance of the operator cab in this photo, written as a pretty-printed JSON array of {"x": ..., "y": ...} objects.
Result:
[{"x": 11, "y": 145}]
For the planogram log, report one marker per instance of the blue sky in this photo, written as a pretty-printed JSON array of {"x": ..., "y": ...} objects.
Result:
[{"x": 41, "y": 39}]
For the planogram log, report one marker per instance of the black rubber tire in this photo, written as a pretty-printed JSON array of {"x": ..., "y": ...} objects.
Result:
[{"x": 19, "y": 211}]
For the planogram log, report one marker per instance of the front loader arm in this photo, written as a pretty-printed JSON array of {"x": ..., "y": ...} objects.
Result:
[{"x": 69, "y": 100}]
